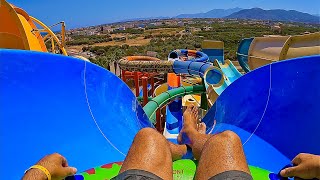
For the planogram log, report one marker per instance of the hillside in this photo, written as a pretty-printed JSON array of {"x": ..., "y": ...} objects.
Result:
[
  {"x": 275, "y": 15},
  {"x": 215, "y": 13}
]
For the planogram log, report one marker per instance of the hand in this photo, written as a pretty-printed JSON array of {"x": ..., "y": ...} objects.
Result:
[
  {"x": 307, "y": 166},
  {"x": 57, "y": 166}
]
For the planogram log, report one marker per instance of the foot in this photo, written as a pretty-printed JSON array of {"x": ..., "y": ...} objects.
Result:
[
  {"x": 177, "y": 151},
  {"x": 190, "y": 120}
]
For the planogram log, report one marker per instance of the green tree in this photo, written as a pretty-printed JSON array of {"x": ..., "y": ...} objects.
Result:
[{"x": 100, "y": 52}]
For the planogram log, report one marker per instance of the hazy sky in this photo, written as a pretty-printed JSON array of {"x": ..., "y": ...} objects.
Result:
[{"x": 77, "y": 13}]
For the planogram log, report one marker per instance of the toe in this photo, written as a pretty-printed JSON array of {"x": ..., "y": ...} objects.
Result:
[
  {"x": 202, "y": 128},
  {"x": 194, "y": 108},
  {"x": 195, "y": 112},
  {"x": 188, "y": 111}
]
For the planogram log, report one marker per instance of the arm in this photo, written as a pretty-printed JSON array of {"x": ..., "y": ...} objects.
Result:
[
  {"x": 56, "y": 165},
  {"x": 307, "y": 166},
  {"x": 34, "y": 174}
]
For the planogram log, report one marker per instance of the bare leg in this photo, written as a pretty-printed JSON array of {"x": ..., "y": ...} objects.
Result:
[
  {"x": 222, "y": 152},
  {"x": 177, "y": 151},
  {"x": 195, "y": 134},
  {"x": 216, "y": 153},
  {"x": 151, "y": 152}
]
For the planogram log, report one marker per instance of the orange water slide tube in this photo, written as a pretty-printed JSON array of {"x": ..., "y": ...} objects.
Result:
[{"x": 17, "y": 29}]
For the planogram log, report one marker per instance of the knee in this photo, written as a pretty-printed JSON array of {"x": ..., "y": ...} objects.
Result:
[
  {"x": 150, "y": 135},
  {"x": 229, "y": 136},
  {"x": 147, "y": 132}
]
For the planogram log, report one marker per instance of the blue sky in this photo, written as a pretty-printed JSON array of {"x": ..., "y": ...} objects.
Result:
[{"x": 78, "y": 13}]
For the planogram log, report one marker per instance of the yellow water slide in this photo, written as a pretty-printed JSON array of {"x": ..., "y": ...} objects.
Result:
[
  {"x": 18, "y": 30},
  {"x": 265, "y": 50}
]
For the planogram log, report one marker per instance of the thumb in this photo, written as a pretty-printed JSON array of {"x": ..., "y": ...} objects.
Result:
[
  {"x": 289, "y": 172},
  {"x": 68, "y": 171}
]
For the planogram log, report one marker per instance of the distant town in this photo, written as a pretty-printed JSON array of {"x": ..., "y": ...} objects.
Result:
[
  {"x": 106, "y": 43},
  {"x": 143, "y": 24}
]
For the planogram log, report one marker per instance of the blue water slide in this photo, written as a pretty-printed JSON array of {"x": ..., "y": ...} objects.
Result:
[
  {"x": 274, "y": 109},
  {"x": 52, "y": 103},
  {"x": 200, "y": 56},
  {"x": 214, "y": 54},
  {"x": 174, "y": 117},
  {"x": 190, "y": 67},
  {"x": 210, "y": 74},
  {"x": 242, "y": 53},
  {"x": 229, "y": 70}
]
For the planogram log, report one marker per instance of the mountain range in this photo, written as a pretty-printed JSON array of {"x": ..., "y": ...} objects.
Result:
[
  {"x": 275, "y": 15},
  {"x": 258, "y": 14},
  {"x": 215, "y": 13}
]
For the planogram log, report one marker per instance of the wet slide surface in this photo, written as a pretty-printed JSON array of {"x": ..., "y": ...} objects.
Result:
[{"x": 52, "y": 103}]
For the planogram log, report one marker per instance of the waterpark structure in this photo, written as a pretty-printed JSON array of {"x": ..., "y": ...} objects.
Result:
[{"x": 57, "y": 103}]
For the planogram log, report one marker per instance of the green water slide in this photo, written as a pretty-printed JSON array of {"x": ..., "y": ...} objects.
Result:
[{"x": 151, "y": 107}]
